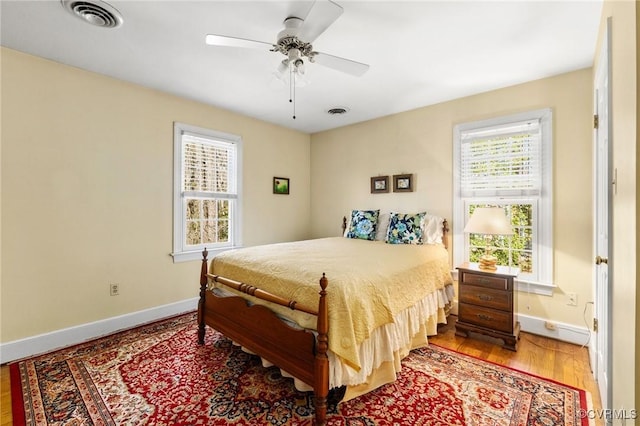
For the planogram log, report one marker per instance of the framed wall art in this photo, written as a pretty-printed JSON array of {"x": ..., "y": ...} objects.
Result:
[
  {"x": 379, "y": 184},
  {"x": 280, "y": 185},
  {"x": 403, "y": 183}
]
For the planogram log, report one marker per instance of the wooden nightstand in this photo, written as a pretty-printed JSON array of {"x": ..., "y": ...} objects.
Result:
[{"x": 486, "y": 303}]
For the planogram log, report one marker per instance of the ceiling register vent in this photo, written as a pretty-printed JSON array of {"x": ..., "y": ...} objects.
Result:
[
  {"x": 338, "y": 111},
  {"x": 94, "y": 12}
]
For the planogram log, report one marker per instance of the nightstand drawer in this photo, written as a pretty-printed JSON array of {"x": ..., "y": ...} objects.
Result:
[
  {"x": 486, "y": 297},
  {"x": 485, "y": 317},
  {"x": 485, "y": 281}
]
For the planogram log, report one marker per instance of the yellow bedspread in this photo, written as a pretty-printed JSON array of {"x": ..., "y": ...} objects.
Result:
[{"x": 369, "y": 281}]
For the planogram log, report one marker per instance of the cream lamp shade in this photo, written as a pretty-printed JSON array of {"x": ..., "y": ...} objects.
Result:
[{"x": 488, "y": 221}]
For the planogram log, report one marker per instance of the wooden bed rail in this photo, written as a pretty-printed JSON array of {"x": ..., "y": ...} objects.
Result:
[{"x": 261, "y": 294}]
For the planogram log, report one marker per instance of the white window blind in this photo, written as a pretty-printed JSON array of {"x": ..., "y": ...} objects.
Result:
[
  {"x": 501, "y": 161},
  {"x": 209, "y": 167}
]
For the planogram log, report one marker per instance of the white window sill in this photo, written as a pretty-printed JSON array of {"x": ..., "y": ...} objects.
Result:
[
  {"x": 534, "y": 287},
  {"x": 524, "y": 286},
  {"x": 187, "y": 256}
]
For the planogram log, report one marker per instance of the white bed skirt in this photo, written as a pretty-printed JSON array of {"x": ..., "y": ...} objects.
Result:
[{"x": 387, "y": 344}]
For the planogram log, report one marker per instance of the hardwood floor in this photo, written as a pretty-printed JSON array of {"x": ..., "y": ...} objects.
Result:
[
  {"x": 560, "y": 361},
  {"x": 6, "y": 418}
]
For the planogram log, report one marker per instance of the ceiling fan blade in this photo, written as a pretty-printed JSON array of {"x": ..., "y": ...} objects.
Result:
[
  {"x": 323, "y": 13},
  {"x": 341, "y": 64},
  {"x": 218, "y": 40}
]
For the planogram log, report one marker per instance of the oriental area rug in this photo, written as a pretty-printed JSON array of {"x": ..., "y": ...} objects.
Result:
[{"x": 157, "y": 374}]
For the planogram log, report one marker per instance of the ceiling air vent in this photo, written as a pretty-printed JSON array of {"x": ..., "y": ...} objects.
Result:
[
  {"x": 338, "y": 111},
  {"x": 95, "y": 12}
]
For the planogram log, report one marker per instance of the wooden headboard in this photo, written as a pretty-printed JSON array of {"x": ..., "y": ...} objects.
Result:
[{"x": 445, "y": 230}]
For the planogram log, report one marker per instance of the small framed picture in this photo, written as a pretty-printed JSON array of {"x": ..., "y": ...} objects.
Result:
[
  {"x": 280, "y": 185},
  {"x": 402, "y": 183},
  {"x": 379, "y": 184}
]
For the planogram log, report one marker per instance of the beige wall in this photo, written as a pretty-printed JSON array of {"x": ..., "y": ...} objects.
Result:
[
  {"x": 87, "y": 194},
  {"x": 420, "y": 142},
  {"x": 625, "y": 377}
]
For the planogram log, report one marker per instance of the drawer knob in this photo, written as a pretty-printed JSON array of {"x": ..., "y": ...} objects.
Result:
[
  {"x": 484, "y": 297},
  {"x": 484, "y": 317}
]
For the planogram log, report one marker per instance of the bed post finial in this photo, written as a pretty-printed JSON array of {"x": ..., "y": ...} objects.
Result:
[
  {"x": 323, "y": 284},
  {"x": 445, "y": 233},
  {"x": 203, "y": 290},
  {"x": 321, "y": 387}
]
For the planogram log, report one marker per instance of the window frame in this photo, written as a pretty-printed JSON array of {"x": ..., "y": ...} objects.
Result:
[
  {"x": 182, "y": 252},
  {"x": 541, "y": 282}
]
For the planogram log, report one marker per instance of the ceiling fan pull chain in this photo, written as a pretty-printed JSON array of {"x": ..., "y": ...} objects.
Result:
[
  {"x": 290, "y": 84},
  {"x": 292, "y": 90}
]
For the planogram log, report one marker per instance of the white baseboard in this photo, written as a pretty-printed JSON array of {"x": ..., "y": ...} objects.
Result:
[
  {"x": 47, "y": 342},
  {"x": 535, "y": 325},
  {"x": 566, "y": 332}
]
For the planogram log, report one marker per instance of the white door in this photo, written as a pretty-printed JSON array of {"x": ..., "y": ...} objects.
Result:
[{"x": 600, "y": 350}]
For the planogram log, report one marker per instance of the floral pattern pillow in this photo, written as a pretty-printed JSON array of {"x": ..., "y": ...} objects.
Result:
[
  {"x": 363, "y": 224},
  {"x": 405, "y": 228}
]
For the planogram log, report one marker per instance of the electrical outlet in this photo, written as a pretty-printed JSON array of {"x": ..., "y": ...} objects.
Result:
[
  {"x": 550, "y": 326},
  {"x": 114, "y": 289},
  {"x": 572, "y": 299}
]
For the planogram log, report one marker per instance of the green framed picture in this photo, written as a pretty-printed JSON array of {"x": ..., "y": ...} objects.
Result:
[{"x": 280, "y": 185}]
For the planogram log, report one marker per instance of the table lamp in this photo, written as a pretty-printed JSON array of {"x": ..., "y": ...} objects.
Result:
[{"x": 488, "y": 221}]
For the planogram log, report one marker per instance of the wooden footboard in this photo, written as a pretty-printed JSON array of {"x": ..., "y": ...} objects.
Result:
[{"x": 298, "y": 352}]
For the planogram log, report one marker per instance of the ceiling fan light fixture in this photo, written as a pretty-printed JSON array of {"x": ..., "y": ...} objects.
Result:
[
  {"x": 288, "y": 71},
  {"x": 298, "y": 66},
  {"x": 283, "y": 67}
]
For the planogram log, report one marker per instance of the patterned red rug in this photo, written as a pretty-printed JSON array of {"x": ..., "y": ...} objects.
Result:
[{"x": 158, "y": 375}]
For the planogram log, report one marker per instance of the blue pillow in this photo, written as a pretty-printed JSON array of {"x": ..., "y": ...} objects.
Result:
[
  {"x": 363, "y": 224},
  {"x": 405, "y": 228}
]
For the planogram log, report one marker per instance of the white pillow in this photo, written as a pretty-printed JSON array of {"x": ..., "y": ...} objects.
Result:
[
  {"x": 383, "y": 225},
  {"x": 432, "y": 229}
]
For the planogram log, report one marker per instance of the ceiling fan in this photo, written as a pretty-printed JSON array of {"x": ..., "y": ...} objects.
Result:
[{"x": 294, "y": 42}]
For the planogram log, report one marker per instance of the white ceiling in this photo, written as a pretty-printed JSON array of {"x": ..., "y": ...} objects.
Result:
[{"x": 420, "y": 52}]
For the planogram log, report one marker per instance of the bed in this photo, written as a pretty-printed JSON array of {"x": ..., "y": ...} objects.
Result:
[{"x": 333, "y": 313}]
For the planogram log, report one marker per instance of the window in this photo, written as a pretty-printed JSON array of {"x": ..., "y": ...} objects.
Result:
[
  {"x": 206, "y": 191},
  {"x": 507, "y": 162}
]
